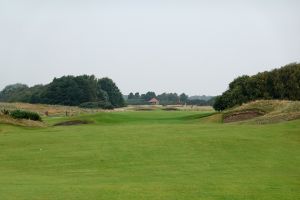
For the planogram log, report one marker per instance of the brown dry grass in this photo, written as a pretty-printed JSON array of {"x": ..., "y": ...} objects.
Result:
[
  {"x": 275, "y": 110},
  {"x": 5, "y": 119},
  {"x": 169, "y": 107},
  {"x": 53, "y": 110}
]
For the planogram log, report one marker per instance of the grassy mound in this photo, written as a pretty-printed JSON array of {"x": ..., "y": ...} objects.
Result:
[
  {"x": 264, "y": 112},
  {"x": 242, "y": 115},
  {"x": 6, "y": 119},
  {"x": 51, "y": 110}
]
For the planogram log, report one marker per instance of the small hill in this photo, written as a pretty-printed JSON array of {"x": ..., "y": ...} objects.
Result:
[
  {"x": 4, "y": 119},
  {"x": 52, "y": 110},
  {"x": 41, "y": 109},
  {"x": 264, "y": 111}
]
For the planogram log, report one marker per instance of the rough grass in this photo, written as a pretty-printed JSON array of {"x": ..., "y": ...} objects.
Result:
[
  {"x": 58, "y": 110},
  {"x": 168, "y": 108},
  {"x": 272, "y": 111},
  {"x": 150, "y": 155},
  {"x": 53, "y": 110},
  {"x": 6, "y": 119}
]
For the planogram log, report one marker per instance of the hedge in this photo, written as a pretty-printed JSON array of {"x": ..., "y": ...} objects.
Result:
[{"x": 21, "y": 114}]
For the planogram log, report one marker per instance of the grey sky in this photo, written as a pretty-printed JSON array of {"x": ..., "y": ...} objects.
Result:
[{"x": 196, "y": 47}]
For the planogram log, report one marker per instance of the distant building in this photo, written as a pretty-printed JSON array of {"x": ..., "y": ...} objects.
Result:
[{"x": 153, "y": 101}]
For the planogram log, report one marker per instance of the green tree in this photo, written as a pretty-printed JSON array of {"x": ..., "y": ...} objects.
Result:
[
  {"x": 137, "y": 95},
  {"x": 131, "y": 96},
  {"x": 183, "y": 98},
  {"x": 70, "y": 90},
  {"x": 282, "y": 83},
  {"x": 114, "y": 95},
  {"x": 148, "y": 96}
]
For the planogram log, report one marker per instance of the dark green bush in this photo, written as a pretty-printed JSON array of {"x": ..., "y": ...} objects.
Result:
[
  {"x": 20, "y": 114},
  {"x": 98, "y": 104},
  {"x": 105, "y": 105},
  {"x": 89, "y": 105},
  {"x": 170, "y": 109},
  {"x": 5, "y": 112}
]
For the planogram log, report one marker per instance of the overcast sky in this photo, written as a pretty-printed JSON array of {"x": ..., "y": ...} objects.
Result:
[{"x": 196, "y": 47}]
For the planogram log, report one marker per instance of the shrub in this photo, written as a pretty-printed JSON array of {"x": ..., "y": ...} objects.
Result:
[
  {"x": 89, "y": 105},
  {"x": 144, "y": 109},
  {"x": 20, "y": 114},
  {"x": 5, "y": 112},
  {"x": 170, "y": 109},
  {"x": 98, "y": 104},
  {"x": 105, "y": 105}
]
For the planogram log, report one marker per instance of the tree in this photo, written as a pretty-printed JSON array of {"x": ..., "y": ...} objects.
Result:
[
  {"x": 131, "y": 96},
  {"x": 114, "y": 95},
  {"x": 168, "y": 98},
  {"x": 282, "y": 83},
  {"x": 183, "y": 98},
  {"x": 70, "y": 90},
  {"x": 14, "y": 92},
  {"x": 137, "y": 95},
  {"x": 67, "y": 90},
  {"x": 148, "y": 96}
]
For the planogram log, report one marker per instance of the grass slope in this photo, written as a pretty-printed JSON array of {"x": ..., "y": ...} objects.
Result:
[
  {"x": 274, "y": 111},
  {"x": 150, "y": 155},
  {"x": 53, "y": 110},
  {"x": 5, "y": 119}
]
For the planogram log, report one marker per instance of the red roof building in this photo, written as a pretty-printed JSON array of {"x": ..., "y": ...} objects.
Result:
[{"x": 154, "y": 101}]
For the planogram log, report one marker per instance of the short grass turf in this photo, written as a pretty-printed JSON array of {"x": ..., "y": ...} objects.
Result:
[{"x": 150, "y": 155}]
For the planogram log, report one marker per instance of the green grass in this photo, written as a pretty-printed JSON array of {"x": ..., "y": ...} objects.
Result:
[{"x": 155, "y": 155}]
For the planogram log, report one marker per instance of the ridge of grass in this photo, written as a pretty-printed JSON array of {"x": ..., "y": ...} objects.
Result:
[{"x": 272, "y": 111}]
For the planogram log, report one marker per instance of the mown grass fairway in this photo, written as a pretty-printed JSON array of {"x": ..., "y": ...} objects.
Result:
[{"x": 150, "y": 155}]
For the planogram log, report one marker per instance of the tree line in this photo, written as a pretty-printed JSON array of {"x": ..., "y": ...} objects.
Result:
[
  {"x": 282, "y": 83},
  {"x": 165, "y": 99},
  {"x": 84, "y": 91}
]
